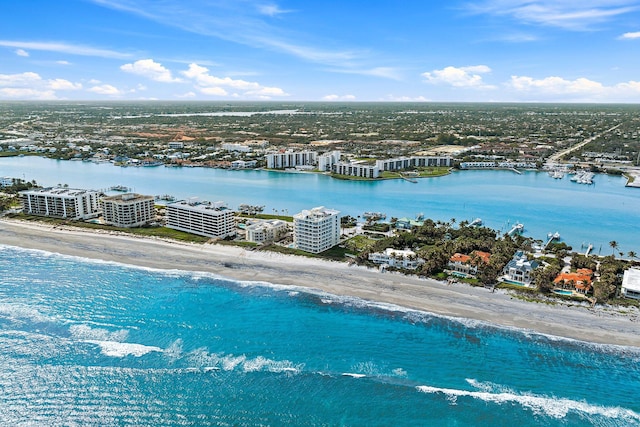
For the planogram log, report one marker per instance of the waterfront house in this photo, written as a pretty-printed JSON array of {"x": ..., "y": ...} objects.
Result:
[
  {"x": 520, "y": 269},
  {"x": 631, "y": 283},
  {"x": 405, "y": 223},
  {"x": 467, "y": 264},
  {"x": 580, "y": 280},
  {"x": 397, "y": 258}
]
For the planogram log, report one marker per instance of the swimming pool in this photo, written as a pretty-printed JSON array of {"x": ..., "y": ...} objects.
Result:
[{"x": 562, "y": 292}]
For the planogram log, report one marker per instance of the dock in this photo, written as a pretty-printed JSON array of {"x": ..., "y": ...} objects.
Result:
[
  {"x": 589, "y": 248},
  {"x": 516, "y": 229},
  {"x": 551, "y": 237}
]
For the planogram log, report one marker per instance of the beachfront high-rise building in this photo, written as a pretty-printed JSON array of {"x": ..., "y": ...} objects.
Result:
[
  {"x": 290, "y": 159},
  {"x": 59, "y": 202},
  {"x": 316, "y": 230},
  {"x": 203, "y": 218},
  {"x": 128, "y": 210},
  {"x": 327, "y": 161}
]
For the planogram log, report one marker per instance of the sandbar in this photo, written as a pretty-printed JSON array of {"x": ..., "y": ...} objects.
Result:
[{"x": 602, "y": 325}]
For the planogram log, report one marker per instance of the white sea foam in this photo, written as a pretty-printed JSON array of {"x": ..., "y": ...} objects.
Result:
[
  {"x": 353, "y": 375},
  {"x": 17, "y": 312},
  {"x": 84, "y": 333},
  {"x": 549, "y": 406},
  {"x": 122, "y": 349}
]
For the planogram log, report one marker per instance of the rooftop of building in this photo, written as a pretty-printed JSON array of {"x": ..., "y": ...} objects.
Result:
[
  {"x": 128, "y": 197},
  {"x": 631, "y": 279},
  {"x": 195, "y": 204},
  {"x": 59, "y": 191}
]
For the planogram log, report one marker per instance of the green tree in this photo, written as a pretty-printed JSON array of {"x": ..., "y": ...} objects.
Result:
[{"x": 614, "y": 245}]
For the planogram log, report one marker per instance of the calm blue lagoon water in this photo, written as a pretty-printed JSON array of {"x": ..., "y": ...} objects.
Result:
[
  {"x": 93, "y": 343},
  {"x": 582, "y": 214}
]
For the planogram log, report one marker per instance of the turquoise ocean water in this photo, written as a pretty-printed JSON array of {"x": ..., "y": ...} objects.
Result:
[
  {"x": 92, "y": 343},
  {"x": 582, "y": 214}
]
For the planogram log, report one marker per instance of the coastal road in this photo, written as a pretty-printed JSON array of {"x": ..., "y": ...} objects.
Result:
[{"x": 557, "y": 156}]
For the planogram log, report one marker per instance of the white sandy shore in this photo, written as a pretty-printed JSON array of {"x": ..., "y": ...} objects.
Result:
[{"x": 597, "y": 325}]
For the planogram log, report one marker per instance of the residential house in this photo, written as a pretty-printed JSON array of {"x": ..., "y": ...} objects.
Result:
[
  {"x": 397, "y": 258},
  {"x": 520, "y": 269}
]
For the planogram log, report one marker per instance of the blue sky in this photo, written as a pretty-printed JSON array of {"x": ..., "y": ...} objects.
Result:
[{"x": 329, "y": 50}]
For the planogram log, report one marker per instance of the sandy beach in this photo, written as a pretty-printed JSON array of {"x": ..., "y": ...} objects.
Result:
[{"x": 598, "y": 325}]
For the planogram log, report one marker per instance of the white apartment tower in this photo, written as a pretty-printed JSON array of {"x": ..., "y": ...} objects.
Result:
[
  {"x": 290, "y": 159},
  {"x": 316, "y": 230},
  {"x": 207, "y": 219},
  {"x": 128, "y": 210},
  {"x": 61, "y": 202}
]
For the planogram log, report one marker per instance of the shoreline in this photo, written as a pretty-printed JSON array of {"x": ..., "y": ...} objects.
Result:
[{"x": 460, "y": 301}]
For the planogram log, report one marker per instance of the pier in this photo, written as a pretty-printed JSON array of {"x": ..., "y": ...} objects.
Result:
[
  {"x": 551, "y": 237},
  {"x": 516, "y": 229},
  {"x": 589, "y": 248}
]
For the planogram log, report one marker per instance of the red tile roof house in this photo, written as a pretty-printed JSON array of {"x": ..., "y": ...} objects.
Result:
[
  {"x": 464, "y": 264},
  {"x": 580, "y": 280}
]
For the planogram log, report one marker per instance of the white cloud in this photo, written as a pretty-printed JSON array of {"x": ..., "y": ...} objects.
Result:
[
  {"x": 150, "y": 69},
  {"x": 630, "y": 36},
  {"x": 394, "y": 98},
  {"x": 31, "y": 85},
  {"x": 271, "y": 10},
  {"x": 334, "y": 97},
  {"x": 65, "y": 48},
  {"x": 62, "y": 84},
  {"x": 22, "y": 52},
  {"x": 567, "y": 14},
  {"x": 212, "y": 85},
  {"x": 216, "y": 91},
  {"x": 63, "y": 62},
  {"x": 189, "y": 94},
  {"x": 105, "y": 89},
  {"x": 26, "y": 93},
  {"x": 459, "y": 76},
  {"x": 22, "y": 79},
  {"x": 581, "y": 89},
  {"x": 386, "y": 72}
]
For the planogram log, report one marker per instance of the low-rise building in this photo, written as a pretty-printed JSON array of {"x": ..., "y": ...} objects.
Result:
[
  {"x": 203, "y": 218},
  {"x": 465, "y": 264},
  {"x": 316, "y": 230},
  {"x": 580, "y": 280},
  {"x": 270, "y": 230},
  {"x": 244, "y": 164},
  {"x": 520, "y": 269},
  {"x": 59, "y": 202},
  {"x": 128, "y": 210},
  {"x": 397, "y": 258},
  {"x": 631, "y": 283},
  {"x": 6, "y": 181},
  {"x": 402, "y": 163}
]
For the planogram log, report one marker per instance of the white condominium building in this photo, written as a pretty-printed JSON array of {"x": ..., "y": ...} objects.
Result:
[
  {"x": 316, "y": 230},
  {"x": 266, "y": 230},
  {"x": 289, "y": 159},
  {"x": 362, "y": 170},
  {"x": 61, "y": 202},
  {"x": 413, "y": 162},
  {"x": 203, "y": 218},
  {"x": 128, "y": 210},
  {"x": 327, "y": 161}
]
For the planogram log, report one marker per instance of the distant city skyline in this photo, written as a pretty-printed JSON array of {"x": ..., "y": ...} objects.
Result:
[{"x": 414, "y": 50}]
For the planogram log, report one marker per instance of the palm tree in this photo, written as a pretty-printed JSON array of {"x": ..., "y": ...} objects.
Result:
[
  {"x": 632, "y": 254},
  {"x": 614, "y": 246}
]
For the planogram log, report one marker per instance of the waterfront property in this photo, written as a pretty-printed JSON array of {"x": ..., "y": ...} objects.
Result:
[
  {"x": 631, "y": 283},
  {"x": 203, "y": 218},
  {"x": 128, "y": 210},
  {"x": 6, "y": 181},
  {"x": 358, "y": 169},
  {"x": 580, "y": 280},
  {"x": 468, "y": 264},
  {"x": 316, "y": 230},
  {"x": 402, "y": 163},
  {"x": 520, "y": 269},
  {"x": 327, "y": 161},
  {"x": 269, "y": 230},
  {"x": 396, "y": 258},
  {"x": 59, "y": 202},
  {"x": 290, "y": 159}
]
